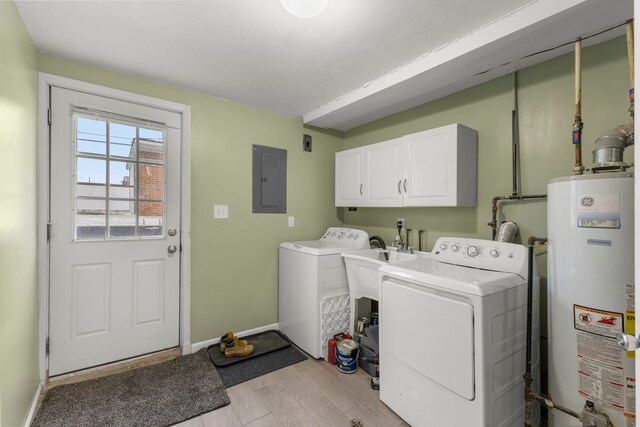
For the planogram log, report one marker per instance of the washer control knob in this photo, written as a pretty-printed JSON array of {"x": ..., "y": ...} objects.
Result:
[
  {"x": 341, "y": 235},
  {"x": 473, "y": 251},
  {"x": 443, "y": 247},
  {"x": 494, "y": 253},
  {"x": 455, "y": 248},
  {"x": 355, "y": 236}
]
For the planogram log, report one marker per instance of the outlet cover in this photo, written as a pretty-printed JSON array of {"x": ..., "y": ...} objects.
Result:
[
  {"x": 292, "y": 221},
  {"x": 401, "y": 221},
  {"x": 221, "y": 211}
]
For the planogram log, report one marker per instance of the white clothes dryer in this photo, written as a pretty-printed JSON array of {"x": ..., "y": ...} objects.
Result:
[
  {"x": 453, "y": 335},
  {"x": 313, "y": 297}
]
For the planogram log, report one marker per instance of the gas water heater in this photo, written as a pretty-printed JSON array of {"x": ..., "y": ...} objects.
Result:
[{"x": 591, "y": 295}]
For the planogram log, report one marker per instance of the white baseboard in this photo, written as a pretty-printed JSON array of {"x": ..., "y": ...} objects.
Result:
[
  {"x": 203, "y": 344},
  {"x": 34, "y": 405}
]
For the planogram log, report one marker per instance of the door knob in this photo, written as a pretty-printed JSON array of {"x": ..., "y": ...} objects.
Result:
[
  {"x": 172, "y": 232},
  {"x": 627, "y": 342},
  {"x": 172, "y": 249}
]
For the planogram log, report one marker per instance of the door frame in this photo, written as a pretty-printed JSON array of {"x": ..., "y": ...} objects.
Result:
[{"x": 45, "y": 82}]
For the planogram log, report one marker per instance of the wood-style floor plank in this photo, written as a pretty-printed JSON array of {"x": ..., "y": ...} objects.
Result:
[
  {"x": 312, "y": 393},
  {"x": 223, "y": 417},
  {"x": 248, "y": 404}
]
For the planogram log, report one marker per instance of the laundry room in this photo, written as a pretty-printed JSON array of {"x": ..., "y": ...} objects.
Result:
[{"x": 262, "y": 204}]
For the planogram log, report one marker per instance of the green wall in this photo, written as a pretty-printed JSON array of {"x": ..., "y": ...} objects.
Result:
[
  {"x": 235, "y": 261},
  {"x": 18, "y": 254},
  {"x": 546, "y": 103}
]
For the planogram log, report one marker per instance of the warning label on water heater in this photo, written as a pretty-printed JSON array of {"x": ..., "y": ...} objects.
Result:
[
  {"x": 600, "y": 371},
  {"x": 599, "y": 322},
  {"x": 630, "y": 411},
  {"x": 601, "y": 376},
  {"x": 598, "y": 210}
]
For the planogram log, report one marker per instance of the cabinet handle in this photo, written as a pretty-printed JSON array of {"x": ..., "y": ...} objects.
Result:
[
  {"x": 405, "y": 185},
  {"x": 361, "y": 190},
  {"x": 399, "y": 191}
]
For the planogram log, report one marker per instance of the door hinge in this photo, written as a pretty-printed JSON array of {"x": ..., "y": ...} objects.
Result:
[
  {"x": 49, "y": 231},
  {"x": 46, "y": 346},
  {"x": 49, "y": 116}
]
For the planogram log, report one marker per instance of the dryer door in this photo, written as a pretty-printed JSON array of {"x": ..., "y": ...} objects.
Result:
[{"x": 431, "y": 332}]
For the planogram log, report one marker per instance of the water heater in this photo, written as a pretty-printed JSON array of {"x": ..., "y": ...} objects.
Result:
[{"x": 591, "y": 295}]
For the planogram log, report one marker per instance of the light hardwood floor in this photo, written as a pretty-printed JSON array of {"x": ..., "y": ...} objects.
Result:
[{"x": 309, "y": 393}]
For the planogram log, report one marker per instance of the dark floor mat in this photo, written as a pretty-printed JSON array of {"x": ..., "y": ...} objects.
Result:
[
  {"x": 263, "y": 343},
  {"x": 261, "y": 365},
  {"x": 157, "y": 395}
]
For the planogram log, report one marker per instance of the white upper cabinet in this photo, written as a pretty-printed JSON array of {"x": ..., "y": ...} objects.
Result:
[
  {"x": 350, "y": 177},
  {"x": 383, "y": 169},
  {"x": 441, "y": 167},
  {"x": 437, "y": 167}
]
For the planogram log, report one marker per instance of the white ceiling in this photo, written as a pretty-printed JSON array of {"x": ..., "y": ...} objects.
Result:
[{"x": 357, "y": 61}]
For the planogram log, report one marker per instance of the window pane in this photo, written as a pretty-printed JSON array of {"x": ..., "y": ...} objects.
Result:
[
  {"x": 91, "y": 136},
  {"x": 90, "y": 219},
  {"x": 151, "y": 145},
  {"x": 122, "y": 140},
  {"x": 122, "y": 180},
  {"x": 90, "y": 177},
  {"x": 122, "y": 218},
  {"x": 150, "y": 219},
  {"x": 151, "y": 181}
]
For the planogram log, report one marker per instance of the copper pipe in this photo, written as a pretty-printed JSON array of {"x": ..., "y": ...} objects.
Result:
[
  {"x": 630, "y": 50},
  {"x": 630, "y": 54},
  {"x": 578, "y": 169}
]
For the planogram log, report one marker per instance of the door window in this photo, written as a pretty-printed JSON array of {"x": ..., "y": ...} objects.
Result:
[{"x": 119, "y": 179}]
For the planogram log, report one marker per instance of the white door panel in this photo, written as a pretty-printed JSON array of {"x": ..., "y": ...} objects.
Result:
[
  {"x": 115, "y": 193},
  {"x": 440, "y": 344}
]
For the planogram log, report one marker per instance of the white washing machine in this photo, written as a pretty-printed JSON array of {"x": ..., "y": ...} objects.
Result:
[
  {"x": 453, "y": 335},
  {"x": 313, "y": 289}
]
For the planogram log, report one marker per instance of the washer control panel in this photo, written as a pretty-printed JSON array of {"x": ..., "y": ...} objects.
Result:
[
  {"x": 347, "y": 237},
  {"x": 485, "y": 254}
]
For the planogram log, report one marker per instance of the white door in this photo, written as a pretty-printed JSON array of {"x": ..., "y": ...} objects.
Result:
[
  {"x": 115, "y": 237},
  {"x": 383, "y": 174},
  {"x": 349, "y": 177}
]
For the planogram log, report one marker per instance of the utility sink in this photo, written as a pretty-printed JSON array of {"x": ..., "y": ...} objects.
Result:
[{"x": 362, "y": 269}]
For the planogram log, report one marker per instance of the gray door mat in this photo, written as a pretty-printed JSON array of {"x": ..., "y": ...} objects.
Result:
[
  {"x": 158, "y": 395},
  {"x": 249, "y": 369},
  {"x": 263, "y": 343}
]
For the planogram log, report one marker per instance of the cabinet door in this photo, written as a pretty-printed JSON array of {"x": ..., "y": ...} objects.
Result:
[
  {"x": 431, "y": 167},
  {"x": 349, "y": 177},
  {"x": 383, "y": 174}
]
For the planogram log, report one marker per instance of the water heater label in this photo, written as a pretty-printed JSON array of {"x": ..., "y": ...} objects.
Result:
[
  {"x": 598, "y": 210},
  {"x": 600, "y": 371},
  {"x": 599, "y": 322},
  {"x": 630, "y": 410}
]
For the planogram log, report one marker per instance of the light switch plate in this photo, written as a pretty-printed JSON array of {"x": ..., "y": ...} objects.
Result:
[
  {"x": 221, "y": 211},
  {"x": 292, "y": 221}
]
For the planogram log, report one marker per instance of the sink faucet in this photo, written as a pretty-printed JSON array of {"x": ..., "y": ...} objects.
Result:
[
  {"x": 403, "y": 246},
  {"x": 379, "y": 240},
  {"x": 382, "y": 245},
  {"x": 401, "y": 243}
]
